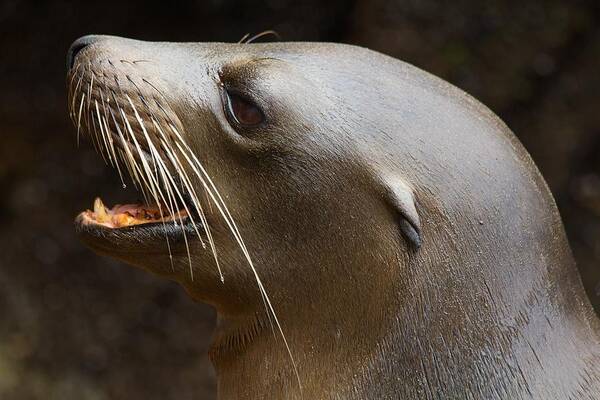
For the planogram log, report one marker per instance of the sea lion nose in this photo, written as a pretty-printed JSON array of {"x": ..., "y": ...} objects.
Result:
[{"x": 77, "y": 46}]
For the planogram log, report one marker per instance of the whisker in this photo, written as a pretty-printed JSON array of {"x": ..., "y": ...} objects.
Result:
[
  {"x": 137, "y": 173},
  {"x": 96, "y": 138},
  {"x": 157, "y": 159},
  {"x": 125, "y": 154},
  {"x": 79, "y": 117},
  {"x": 242, "y": 40},
  {"x": 145, "y": 166},
  {"x": 73, "y": 74},
  {"x": 161, "y": 164},
  {"x": 175, "y": 162},
  {"x": 220, "y": 204},
  {"x": 90, "y": 87},
  {"x": 264, "y": 33},
  {"x": 76, "y": 89},
  {"x": 110, "y": 137},
  {"x": 102, "y": 134}
]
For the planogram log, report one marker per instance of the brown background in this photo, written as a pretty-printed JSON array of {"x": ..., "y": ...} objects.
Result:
[{"x": 77, "y": 326}]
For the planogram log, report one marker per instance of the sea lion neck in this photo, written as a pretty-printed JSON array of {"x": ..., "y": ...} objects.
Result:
[{"x": 432, "y": 343}]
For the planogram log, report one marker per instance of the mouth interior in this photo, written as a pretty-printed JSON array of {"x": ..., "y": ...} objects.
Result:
[{"x": 125, "y": 215}]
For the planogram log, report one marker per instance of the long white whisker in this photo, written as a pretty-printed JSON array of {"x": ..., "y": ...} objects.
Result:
[
  {"x": 185, "y": 180},
  {"x": 232, "y": 226},
  {"x": 96, "y": 138},
  {"x": 146, "y": 168},
  {"x": 158, "y": 160},
  {"x": 137, "y": 173},
  {"x": 125, "y": 153},
  {"x": 110, "y": 140},
  {"x": 163, "y": 166},
  {"x": 79, "y": 117},
  {"x": 153, "y": 153},
  {"x": 90, "y": 86},
  {"x": 102, "y": 133},
  {"x": 73, "y": 75},
  {"x": 171, "y": 206},
  {"x": 76, "y": 89}
]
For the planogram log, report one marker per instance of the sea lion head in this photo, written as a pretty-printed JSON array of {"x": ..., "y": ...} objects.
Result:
[
  {"x": 253, "y": 144},
  {"x": 370, "y": 211}
]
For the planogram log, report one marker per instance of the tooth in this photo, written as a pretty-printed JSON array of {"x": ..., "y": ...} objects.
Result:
[
  {"x": 123, "y": 220},
  {"x": 100, "y": 211},
  {"x": 98, "y": 205}
]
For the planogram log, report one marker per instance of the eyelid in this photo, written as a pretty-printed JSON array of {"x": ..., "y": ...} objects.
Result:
[{"x": 229, "y": 100}]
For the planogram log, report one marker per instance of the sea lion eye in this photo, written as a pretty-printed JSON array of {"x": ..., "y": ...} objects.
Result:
[{"x": 243, "y": 111}]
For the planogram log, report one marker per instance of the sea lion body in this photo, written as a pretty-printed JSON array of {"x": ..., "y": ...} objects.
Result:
[{"x": 407, "y": 243}]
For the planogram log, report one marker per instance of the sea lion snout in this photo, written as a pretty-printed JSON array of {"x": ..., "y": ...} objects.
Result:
[{"x": 116, "y": 92}]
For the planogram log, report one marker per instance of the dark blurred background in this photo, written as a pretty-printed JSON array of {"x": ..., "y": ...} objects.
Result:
[{"x": 77, "y": 326}]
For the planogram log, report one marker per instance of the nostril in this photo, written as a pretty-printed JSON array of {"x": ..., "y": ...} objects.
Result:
[
  {"x": 73, "y": 53},
  {"x": 76, "y": 47}
]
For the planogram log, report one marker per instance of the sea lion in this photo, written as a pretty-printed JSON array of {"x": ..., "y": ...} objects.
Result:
[{"x": 364, "y": 229}]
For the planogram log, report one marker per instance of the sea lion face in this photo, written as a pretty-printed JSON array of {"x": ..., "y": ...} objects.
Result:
[{"x": 256, "y": 172}]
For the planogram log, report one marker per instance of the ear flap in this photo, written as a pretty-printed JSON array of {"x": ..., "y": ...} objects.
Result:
[{"x": 400, "y": 197}]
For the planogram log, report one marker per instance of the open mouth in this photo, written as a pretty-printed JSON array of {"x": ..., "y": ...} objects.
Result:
[
  {"x": 138, "y": 141},
  {"x": 128, "y": 215},
  {"x": 129, "y": 122}
]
